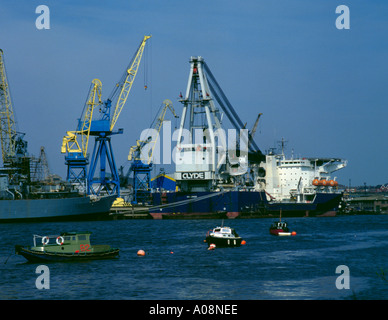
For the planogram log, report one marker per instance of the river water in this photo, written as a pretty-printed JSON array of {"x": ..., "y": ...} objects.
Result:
[{"x": 177, "y": 264}]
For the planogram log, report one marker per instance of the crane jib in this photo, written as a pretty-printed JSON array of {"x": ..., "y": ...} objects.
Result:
[
  {"x": 126, "y": 85},
  {"x": 227, "y": 107}
]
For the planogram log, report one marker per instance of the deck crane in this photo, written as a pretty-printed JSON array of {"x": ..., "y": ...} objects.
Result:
[
  {"x": 251, "y": 133},
  {"x": 77, "y": 156},
  {"x": 254, "y": 128},
  {"x": 102, "y": 129},
  {"x": 13, "y": 146},
  {"x": 142, "y": 154}
]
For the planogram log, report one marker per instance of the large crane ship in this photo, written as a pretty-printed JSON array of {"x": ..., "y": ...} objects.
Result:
[
  {"x": 24, "y": 197},
  {"x": 211, "y": 173},
  {"x": 219, "y": 181}
]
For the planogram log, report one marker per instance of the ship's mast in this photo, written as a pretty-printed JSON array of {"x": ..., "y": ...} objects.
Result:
[{"x": 283, "y": 145}]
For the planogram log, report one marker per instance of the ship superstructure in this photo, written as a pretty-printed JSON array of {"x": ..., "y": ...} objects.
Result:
[{"x": 298, "y": 179}]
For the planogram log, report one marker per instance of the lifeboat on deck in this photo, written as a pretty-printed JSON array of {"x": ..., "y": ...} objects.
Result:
[
  {"x": 333, "y": 183},
  {"x": 325, "y": 183},
  {"x": 317, "y": 182}
]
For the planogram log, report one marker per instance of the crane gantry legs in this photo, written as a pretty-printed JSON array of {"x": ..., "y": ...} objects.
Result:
[{"x": 103, "y": 153}]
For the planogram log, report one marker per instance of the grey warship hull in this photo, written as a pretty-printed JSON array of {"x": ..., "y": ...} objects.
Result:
[{"x": 60, "y": 209}]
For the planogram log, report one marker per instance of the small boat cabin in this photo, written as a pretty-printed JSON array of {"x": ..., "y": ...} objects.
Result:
[
  {"x": 66, "y": 241},
  {"x": 280, "y": 225},
  {"x": 226, "y": 231}
]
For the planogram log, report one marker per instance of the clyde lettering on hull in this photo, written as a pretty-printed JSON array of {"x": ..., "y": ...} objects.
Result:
[{"x": 193, "y": 175}]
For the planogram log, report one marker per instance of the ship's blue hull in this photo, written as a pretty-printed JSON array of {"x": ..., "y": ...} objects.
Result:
[
  {"x": 228, "y": 204},
  {"x": 74, "y": 208},
  {"x": 324, "y": 204},
  {"x": 233, "y": 204}
]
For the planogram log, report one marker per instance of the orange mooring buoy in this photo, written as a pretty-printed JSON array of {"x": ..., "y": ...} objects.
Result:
[
  {"x": 293, "y": 233},
  {"x": 243, "y": 242},
  {"x": 141, "y": 253}
]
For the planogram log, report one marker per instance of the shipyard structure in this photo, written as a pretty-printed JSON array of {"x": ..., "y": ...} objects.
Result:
[{"x": 220, "y": 172}]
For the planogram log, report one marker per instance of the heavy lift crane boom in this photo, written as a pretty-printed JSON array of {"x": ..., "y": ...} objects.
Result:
[{"x": 255, "y": 153}]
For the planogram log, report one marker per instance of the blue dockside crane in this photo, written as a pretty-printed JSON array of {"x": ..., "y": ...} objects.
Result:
[{"x": 102, "y": 129}]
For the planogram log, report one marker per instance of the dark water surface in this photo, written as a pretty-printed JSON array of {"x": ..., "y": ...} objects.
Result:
[{"x": 267, "y": 267}]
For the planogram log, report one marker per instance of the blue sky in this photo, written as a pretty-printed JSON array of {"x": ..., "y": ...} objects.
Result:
[{"x": 324, "y": 90}]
